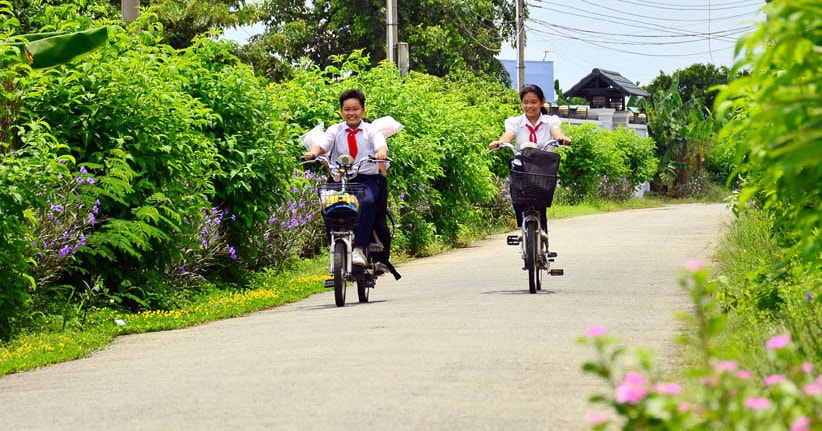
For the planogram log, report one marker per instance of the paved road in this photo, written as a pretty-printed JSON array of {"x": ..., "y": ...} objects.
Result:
[{"x": 458, "y": 343}]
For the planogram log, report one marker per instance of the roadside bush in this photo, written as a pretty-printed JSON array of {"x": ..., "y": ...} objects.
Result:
[
  {"x": 604, "y": 164},
  {"x": 717, "y": 393}
]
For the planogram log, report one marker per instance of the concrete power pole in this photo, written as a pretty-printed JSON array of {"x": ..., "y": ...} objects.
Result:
[
  {"x": 520, "y": 44},
  {"x": 131, "y": 10},
  {"x": 391, "y": 30}
]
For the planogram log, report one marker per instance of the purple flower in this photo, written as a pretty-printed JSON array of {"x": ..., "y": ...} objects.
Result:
[
  {"x": 90, "y": 180},
  {"x": 809, "y": 297},
  {"x": 232, "y": 252},
  {"x": 83, "y": 170},
  {"x": 65, "y": 251},
  {"x": 79, "y": 180},
  {"x": 82, "y": 239},
  {"x": 91, "y": 219}
]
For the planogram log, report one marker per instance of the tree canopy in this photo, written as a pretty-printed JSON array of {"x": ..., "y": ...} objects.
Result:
[
  {"x": 694, "y": 82},
  {"x": 443, "y": 35}
]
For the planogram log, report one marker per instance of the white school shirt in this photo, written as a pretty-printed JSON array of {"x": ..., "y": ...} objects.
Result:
[
  {"x": 518, "y": 126},
  {"x": 369, "y": 139}
]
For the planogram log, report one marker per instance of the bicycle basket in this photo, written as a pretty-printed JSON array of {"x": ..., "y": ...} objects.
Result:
[
  {"x": 532, "y": 190},
  {"x": 341, "y": 204}
]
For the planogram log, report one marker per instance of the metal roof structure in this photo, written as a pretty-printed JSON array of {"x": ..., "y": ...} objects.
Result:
[{"x": 605, "y": 85}]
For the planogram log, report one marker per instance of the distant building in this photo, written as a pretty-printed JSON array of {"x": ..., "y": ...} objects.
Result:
[{"x": 536, "y": 72}]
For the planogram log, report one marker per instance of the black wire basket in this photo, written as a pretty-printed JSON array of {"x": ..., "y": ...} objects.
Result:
[
  {"x": 341, "y": 204},
  {"x": 532, "y": 190}
]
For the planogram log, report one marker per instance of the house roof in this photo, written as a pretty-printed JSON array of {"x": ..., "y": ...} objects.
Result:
[{"x": 603, "y": 80}]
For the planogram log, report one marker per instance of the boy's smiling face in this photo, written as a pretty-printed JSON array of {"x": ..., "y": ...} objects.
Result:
[{"x": 352, "y": 112}]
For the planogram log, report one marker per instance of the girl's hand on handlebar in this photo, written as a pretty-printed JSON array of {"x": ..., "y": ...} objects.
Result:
[
  {"x": 309, "y": 156},
  {"x": 563, "y": 140},
  {"x": 493, "y": 145}
]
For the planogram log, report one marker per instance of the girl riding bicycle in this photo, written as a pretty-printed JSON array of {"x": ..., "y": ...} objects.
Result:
[{"x": 536, "y": 126}]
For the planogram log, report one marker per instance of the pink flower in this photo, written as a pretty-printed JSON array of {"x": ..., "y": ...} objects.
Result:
[
  {"x": 778, "y": 341},
  {"x": 744, "y": 374},
  {"x": 813, "y": 389},
  {"x": 726, "y": 366},
  {"x": 694, "y": 265},
  {"x": 807, "y": 367},
  {"x": 596, "y": 418},
  {"x": 596, "y": 331},
  {"x": 757, "y": 403},
  {"x": 801, "y": 424},
  {"x": 683, "y": 407},
  {"x": 668, "y": 388},
  {"x": 632, "y": 390},
  {"x": 774, "y": 379}
]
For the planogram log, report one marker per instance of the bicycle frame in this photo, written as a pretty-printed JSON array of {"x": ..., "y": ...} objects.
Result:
[
  {"x": 342, "y": 234},
  {"x": 533, "y": 240}
]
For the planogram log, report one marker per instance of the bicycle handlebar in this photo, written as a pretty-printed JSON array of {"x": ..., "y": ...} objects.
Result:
[
  {"x": 342, "y": 166},
  {"x": 544, "y": 147}
]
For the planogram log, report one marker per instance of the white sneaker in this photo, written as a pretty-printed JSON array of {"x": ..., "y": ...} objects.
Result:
[{"x": 358, "y": 257}]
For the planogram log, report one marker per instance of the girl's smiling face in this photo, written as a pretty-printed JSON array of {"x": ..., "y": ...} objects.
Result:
[
  {"x": 531, "y": 105},
  {"x": 352, "y": 112}
]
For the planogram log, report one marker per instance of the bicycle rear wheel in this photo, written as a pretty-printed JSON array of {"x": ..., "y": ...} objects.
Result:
[
  {"x": 531, "y": 255},
  {"x": 339, "y": 273}
]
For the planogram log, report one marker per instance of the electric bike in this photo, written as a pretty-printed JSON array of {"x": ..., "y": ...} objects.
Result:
[{"x": 340, "y": 208}]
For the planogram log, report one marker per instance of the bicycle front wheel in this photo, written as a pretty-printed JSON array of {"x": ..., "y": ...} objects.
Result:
[
  {"x": 339, "y": 273},
  {"x": 531, "y": 255}
]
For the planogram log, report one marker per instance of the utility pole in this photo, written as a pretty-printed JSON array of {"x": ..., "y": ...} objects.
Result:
[
  {"x": 391, "y": 30},
  {"x": 130, "y": 9},
  {"x": 520, "y": 44}
]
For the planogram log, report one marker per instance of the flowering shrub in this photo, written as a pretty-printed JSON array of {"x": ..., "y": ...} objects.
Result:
[
  {"x": 614, "y": 189},
  {"x": 718, "y": 394},
  {"x": 211, "y": 251},
  {"x": 61, "y": 228},
  {"x": 294, "y": 228}
]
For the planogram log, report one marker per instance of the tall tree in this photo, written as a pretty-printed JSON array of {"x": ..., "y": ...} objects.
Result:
[
  {"x": 694, "y": 82},
  {"x": 443, "y": 35}
]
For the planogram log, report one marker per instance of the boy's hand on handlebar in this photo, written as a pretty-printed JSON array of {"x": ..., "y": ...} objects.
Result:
[
  {"x": 381, "y": 154},
  {"x": 309, "y": 156},
  {"x": 493, "y": 145}
]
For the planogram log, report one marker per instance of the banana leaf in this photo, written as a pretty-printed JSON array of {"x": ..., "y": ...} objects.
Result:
[{"x": 43, "y": 50}]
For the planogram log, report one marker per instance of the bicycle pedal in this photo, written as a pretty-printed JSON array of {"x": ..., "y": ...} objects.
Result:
[
  {"x": 555, "y": 272},
  {"x": 512, "y": 239},
  {"x": 552, "y": 254},
  {"x": 328, "y": 283},
  {"x": 375, "y": 247}
]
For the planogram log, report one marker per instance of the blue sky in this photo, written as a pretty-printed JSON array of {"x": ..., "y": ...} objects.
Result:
[{"x": 636, "y": 38}]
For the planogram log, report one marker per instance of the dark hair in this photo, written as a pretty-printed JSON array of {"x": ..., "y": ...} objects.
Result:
[
  {"x": 537, "y": 92},
  {"x": 352, "y": 94}
]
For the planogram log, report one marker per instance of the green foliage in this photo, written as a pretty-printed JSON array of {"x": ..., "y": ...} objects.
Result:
[
  {"x": 778, "y": 122},
  {"x": 440, "y": 174},
  {"x": 697, "y": 81},
  {"x": 443, "y": 36},
  {"x": 717, "y": 393},
  {"x": 605, "y": 164}
]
